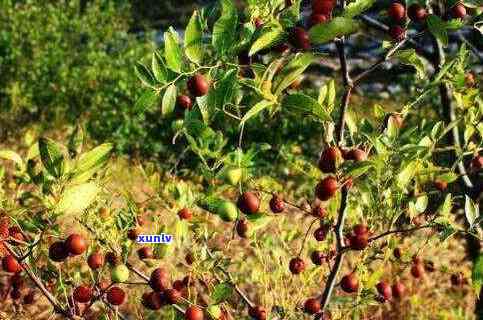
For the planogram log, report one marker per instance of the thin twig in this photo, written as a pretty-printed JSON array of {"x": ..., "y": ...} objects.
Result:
[{"x": 232, "y": 282}]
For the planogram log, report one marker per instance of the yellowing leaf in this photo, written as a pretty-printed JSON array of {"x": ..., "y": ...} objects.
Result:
[{"x": 76, "y": 199}]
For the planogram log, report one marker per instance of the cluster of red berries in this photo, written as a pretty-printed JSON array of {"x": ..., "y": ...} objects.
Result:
[
  {"x": 359, "y": 239},
  {"x": 329, "y": 160},
  {"x": 197, "y": 86},
  {"x": 74, "y": 245}
]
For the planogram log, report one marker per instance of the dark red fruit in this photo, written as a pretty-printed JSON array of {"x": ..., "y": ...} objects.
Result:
[
  {"x": 82, "y": 294},
  {"x": 198, "y": 85},
  {"x": 17, "y": 281},
  {"x": 10, "y": 264},
  {"x": 458, "y": 11},
  {"x": 277, "y": 205},
  {"x": 4, "y": 233},
  {"x": 115, "y": 296},
  {"x": 258, "y": 23},
  {"x": 300, "y": 38},
  {"x": 15, "y": 294},
  {"x": 185, "y": 214},
  {"x": 356, "y": 155},
  {"x": 359, "y": 241},
  {"x": 477, "y": 163},
  {"x": 133, "y": 234},
  {"x": 320, "y": 233},
  {"x": 326, "y": 188},
  {"x": 417, "y": 270},
  {"x": 112, "y": 258},
  {"x": 282, "y": 48},
  {"x": 349, "y": 283},
  {"x": 397, "y": 253},
  {"x": 384, "y": 290},
  {"x": 319, "y": 212},
  {"x": 58, "y": 251},
  {"x": 152, "y": 300},
  {"x": 184, "y": 102},
  {"x": 296, "y": 265},
  {"x": 172, "y": 296},
  {"x": 429, "y": 266},
  {"x": 248, "y": 203},
  {"x": 242, "y": 228},
  {"x": 316, "y": 19},
  {"x": 417, "y": 13},
  {"x": 470, "y": 80},
  {"x": 178, "y": 285},
  {"x": 397, "y": 33},
  {"x": 457, "y": 279},
  {"x": 318, "y": 257},
  {"x": 159, "y": 280},
  {"x": 398, "y": 289},
  {"x": 193, "y": 313},
  {"x": 329, "y": 159},
  {"x": 361, "y": 229},
  {"x": 257, "y": 313},
  {"x": 145, "y": 253},
  {"x": 396, "y": 11},
  {"x": 312, "y": 306},
  {"x": 95, "y": 260},
  {"x": 323, "y": 6},
  {"x": 75, "y": 244},
  {"x": 29, "y": 298},
  {"x": 441, "y": 185}
]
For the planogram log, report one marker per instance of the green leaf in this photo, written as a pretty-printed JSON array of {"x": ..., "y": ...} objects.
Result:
[
  {"x": 221, "y": 292},
  {"x": 94, "y": 159},
  {"x": 224, "y": 29},
  {"x": 51, "y": 156},
  {"x": 356, "y": 169},
  {"x": 302, "y": 103},
  {"x": 421, "y": 203},
  {"x": 144, "y": 74},
  {"x": 410, "y": 57},
  {"x": 169, "y": 100},
  {"x": 147, "y": 100},
  {"x": 268, "y": 38},
  {"x": 159, "y": 68},
  {"x": 223, "y": 90},
  {"x": 357, "y": 7},
  {"x": 437, "y": 27},
  {"x": 407, "y": 174},
  {"x": 292, "y": 71},
  {"x": 76, "y": 199},
  {"x": 337, "y": 27},
  {"x": 259, "y": 107},
  {"x": 172, "y": 50},
  {"x": 193, "y": 36},
  {"x": 445, "y": 208},
  {"x": 471, "y": 211},
  {"x": 477, "y": 274}
]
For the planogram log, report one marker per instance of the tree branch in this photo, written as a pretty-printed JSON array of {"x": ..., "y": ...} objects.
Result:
[{"x": 38, "y": 283}]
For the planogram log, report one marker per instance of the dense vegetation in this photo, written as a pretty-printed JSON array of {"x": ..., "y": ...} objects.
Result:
[{"x": 288, "y": 194}]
